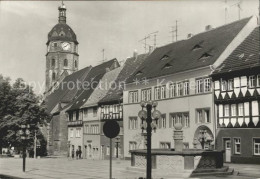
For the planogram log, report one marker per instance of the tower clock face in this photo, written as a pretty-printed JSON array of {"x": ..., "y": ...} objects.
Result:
[{"x": 65, "y": 46}]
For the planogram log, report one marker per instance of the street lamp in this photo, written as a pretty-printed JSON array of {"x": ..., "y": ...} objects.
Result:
[
  {"x": 24, "y": 134},
  {"x": 149, "y": 120},
  {"x": 117, "y": 145}
]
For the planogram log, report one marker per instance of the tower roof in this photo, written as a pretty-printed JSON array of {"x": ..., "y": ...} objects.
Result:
[{"x": 62, "y": 31}]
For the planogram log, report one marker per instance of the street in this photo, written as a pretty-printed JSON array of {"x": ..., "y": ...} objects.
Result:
[{"x": 90, "y": 169}]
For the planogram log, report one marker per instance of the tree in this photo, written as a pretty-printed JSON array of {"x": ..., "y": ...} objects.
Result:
[{"x": 19, "y": 105}]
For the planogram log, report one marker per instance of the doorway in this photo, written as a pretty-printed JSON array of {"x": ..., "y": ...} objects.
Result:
[{"x": 227, "y": 150}]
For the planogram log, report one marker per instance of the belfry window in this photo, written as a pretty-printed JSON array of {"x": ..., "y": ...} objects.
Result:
[
  {"x": 53, "y": 62},
  {"x": 53, "y": 76},
  {"x": 76, "y": 64},
  {"x": 65, "y": 62}
]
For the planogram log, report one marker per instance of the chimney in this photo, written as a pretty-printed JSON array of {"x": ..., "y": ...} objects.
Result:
[
  {"x": 189, "y": 35},
  {"x": 135, "y": 54},
  {"x": 208, "y": 27}
]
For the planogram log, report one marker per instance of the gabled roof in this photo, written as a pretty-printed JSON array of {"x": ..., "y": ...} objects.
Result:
[
  {"x": 131, "y": 64},
  {"x": 198, "y": 51},
  {"x": 65, "y": 93},
  {"x": 246, "y": 55},
  {"x": 107, "y": 81},
  {"x": 91, "y": 82}
]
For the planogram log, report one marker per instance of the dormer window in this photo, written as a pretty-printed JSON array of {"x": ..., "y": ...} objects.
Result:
[
  {"x": 196, "y": 47},
  {"x": 167, "y": 65},
  {"x": 165, "y": 57},
  {"x": 205, "y": 56},
  {"x": 138, "y": 73}
]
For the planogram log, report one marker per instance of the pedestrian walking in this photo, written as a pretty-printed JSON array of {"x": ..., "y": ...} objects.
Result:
[
  {"x": 80, "y": 152},
  {"x": 77, "y": 153}
]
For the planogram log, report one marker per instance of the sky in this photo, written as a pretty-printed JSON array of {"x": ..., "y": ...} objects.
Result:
[{"x": 116, "y": 26}]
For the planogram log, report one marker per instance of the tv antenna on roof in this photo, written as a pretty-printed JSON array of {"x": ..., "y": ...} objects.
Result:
[
  {"x": 238, "y": 4},
  {"x": 174, "y": 31},
  {"x": 144, "y": 41},
  {"x": 154, "y": 38}
]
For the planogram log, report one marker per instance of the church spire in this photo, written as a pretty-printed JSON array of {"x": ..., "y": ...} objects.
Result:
[{"x": 62, "y": 13}]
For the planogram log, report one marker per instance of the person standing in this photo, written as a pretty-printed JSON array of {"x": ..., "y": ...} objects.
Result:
[
  {"x": 77, "y": 153},
  {"x": 80, "y": 152},
  {"x": 72, "y": 153}
]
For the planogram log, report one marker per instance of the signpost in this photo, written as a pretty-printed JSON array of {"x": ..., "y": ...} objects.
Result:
[{"x": 111, "y": 129}]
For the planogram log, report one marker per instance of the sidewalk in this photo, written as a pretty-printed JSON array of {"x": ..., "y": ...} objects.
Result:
[{"x": 247, "y": 170}]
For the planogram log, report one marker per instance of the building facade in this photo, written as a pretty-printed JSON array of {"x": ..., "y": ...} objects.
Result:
[
  {"x": 177, "y": 76},
  {"x": 237, "y": 102}
]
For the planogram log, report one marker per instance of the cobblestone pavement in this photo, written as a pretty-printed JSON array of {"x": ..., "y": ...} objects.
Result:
[{"x": 62, "y": 168}]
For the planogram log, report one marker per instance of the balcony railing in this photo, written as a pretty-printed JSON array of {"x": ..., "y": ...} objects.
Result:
[{"x": 75, "y": 123}]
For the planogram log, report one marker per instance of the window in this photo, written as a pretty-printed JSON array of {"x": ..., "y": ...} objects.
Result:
[
  {"x": 252, "y": 82},
  {"x": 65, "y": 62},
  {"x": 230, "y": 85},
  {"x": 133, "y": 96},
  {"x": 206, "y": 115},
  {"x": 76, "y": 64},
  {"x": 53, "y": 76},
  {"x": 146, "y": 94},
  {"x": 207, "y": 84},
  {"x": 55, "y": 44},
  {"x": 172, "y": 90},
  {"x": 163, "y": 121},
  {"x": 133, "y": 123},
  {"x": 199, "y": 86},
  {"x": 95, "y": 112},
  {"x": 181, "y": 117},
  {"x": 203, "y": 115},
  {"x": 71, "y": 133},
  {"x": 173, "y": 121},
  {"x": 132, "y": 145},
  {"x": 226, "y": 110},
  {"x": 78, "y": 130},
  {"x": 186, "y": 120},
  {"x": 108, "y": 150},
  {"x": 258, "y": 80},
  {"x": 257, "y": 146},
  {"x": 53, "y": 62},
  {"x": 186, "y": 88},
  {"x": 157, "y": 93},
  {"x": 233, "y": 110},
  {"x": 85, "y": 113},
  {"x": 87, "y": 129},
  {"x": 237, "y": 143},
  {"x": 163, "y": 92},
  {"x": 179, "y": 89},
  {"x": 199, "y": 116},
  {"x": 223, "y": 85},
  {"x": 241, "y": 109},
  {"x": 165, "y": 145}
]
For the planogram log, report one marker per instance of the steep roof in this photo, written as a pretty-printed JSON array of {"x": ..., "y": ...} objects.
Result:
[
  {"x": 91, "y": 82},
  {"x": 198, "y": 51},
  {"x": 131, "y": 64},
  {"x": 107, "y": 81},
  {"x": 246, "y": 55},
  {"x": 65, "y": 91}
]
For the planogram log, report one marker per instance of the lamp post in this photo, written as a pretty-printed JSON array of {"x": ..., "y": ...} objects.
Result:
[
  {"x": 149, "y": 120},
  {"x": 117, "y": 145},
  {"x": 24, "y": 134}
]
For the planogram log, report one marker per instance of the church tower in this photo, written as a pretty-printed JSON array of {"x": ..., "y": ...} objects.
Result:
[{"x": 62, "y": 52}]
